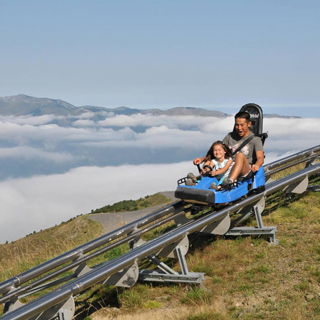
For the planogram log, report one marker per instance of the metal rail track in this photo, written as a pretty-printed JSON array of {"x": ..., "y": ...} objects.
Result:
[
  {"x": 306, "y": 156},
  {"x": 78, "y": 252}
]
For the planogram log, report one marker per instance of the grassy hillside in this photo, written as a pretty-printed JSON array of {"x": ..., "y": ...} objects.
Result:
[
  {"x": 245, "y": 278},
  {"x": 132, "y": 205},
  {"x": 37, "y": 248}
]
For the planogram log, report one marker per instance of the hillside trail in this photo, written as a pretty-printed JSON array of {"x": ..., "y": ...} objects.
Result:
[{"x": 112, "y": 221}]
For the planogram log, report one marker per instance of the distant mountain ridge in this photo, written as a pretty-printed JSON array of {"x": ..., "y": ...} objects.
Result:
[
  {"x": 26, "y": 105},
  {"x": 22, "y": 105}
]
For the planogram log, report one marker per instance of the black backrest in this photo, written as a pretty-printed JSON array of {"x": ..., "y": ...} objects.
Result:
[{"x": 256, "y": 116}]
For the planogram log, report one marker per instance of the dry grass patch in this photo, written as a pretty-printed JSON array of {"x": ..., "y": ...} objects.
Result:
[
  {"x": 44, "y": 245},
  {"x": 28, "y": 252},
  {"x": 168, "y": 313}
]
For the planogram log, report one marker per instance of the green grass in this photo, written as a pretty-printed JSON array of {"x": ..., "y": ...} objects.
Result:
[
  {"x": 28, "y": 252},
  {"x": 133, "y": 205}
]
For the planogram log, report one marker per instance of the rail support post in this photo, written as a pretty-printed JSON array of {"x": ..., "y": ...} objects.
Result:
[
  {"x": 257, "y": 210},
  {"x": 167, "y": 274}
]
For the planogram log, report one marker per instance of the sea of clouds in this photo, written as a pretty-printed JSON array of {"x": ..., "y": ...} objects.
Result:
[{"x": 55, "y": 168}]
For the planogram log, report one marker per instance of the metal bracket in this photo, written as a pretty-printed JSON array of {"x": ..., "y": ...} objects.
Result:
[
  {"x": 298, "y": 187},
  {"x": 312, "y": 161},
  {"x": 170, "y": 250},
  {"x": 62, "y": 311},
  {"x": 124, "y": 278},
  {"x": 257, "y": 210},
  {"x": 12, "y": 305},
  {"x": 315, "y": 188},
  {"x": 219, "y": 227},
  {"x": 82, "y": 269},
  {"x": 166, "y": 274},
  {"x": 248, "y": 211}
]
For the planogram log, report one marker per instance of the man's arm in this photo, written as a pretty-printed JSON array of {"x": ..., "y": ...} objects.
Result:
[{"x": 260, "y": 160}]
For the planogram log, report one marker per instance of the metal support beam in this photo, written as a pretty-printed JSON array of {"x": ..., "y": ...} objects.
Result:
[
  {"x": 156, "y": 276},
  {"x": 126, "y": 277},
  {"x": 218, "y": 227},
  {"x": 170, "y": 250},
  {"x": 252, "y": 231},
  {"x": 298, "y": 187},
  {"x": 260, "y": 230},
  {"x": 166, "y": 274},
  {"x": 161, "y": 265},
  {"x": 63, "y": 311},
  {"x": 182, "y": 261}
]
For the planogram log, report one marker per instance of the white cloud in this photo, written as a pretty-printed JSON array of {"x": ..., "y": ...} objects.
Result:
[
  {"x": 33, "y": 153},
  {"x": 162, "y": 120},
  {"x": 161, "y": 132},
  {"x": 291, "y": 135},
  {"x": 155, "y": 138},
  {"x": 40, "y": 202},
  {"x": 302, "y": 133},
  {"x": 85, "y": 115},
  {"x": 31, "y": 120},
  {"x": 167, "y": 131},
  {"x": 24, "y": 133},
  {"x": 48, "y": 200},
  {"x": 84, "y": 123}
]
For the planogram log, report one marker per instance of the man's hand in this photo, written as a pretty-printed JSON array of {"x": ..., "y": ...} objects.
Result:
[
  {"x": 260, "y": 160},
  {"x": 255, "y": 168}
]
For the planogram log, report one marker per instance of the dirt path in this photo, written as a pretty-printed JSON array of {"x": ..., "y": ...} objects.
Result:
[{"x": 112, "y": 221}]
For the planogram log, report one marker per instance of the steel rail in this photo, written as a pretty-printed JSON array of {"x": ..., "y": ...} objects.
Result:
[
  {"x": 76, "y": 253},
  {"x": 302, "y": 156},
  {"x": 38, "y": 306},
  {"x": 34, "y": 285}
]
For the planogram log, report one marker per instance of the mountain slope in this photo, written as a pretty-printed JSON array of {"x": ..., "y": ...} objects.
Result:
[
  {"x": 22, "y": 105},
  {"x": 27, "y": 105}
]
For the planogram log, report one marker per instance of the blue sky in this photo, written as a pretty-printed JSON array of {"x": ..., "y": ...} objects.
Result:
[{"x": 162, "y": 54}]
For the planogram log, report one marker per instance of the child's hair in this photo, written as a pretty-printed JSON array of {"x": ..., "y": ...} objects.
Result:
[{"x": 228, "y": 151}]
